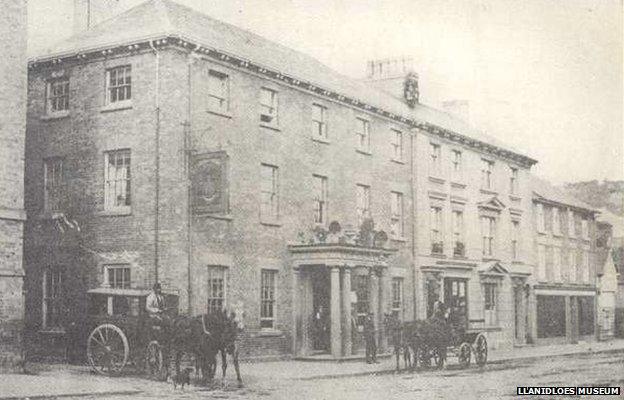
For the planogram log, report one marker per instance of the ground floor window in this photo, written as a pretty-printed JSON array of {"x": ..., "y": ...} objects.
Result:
[
  {"x": 456, "y": 299},
  {"x": 53, "y": 278},
  {"x": 551, "y": 316},
  {"x": 586, "y": 315},
  {"x": 267, "y": 298},
  {"x": 216, "y": 288},
  {"x": 397, "y": 297},
  {"x": 118, "y": 275}
]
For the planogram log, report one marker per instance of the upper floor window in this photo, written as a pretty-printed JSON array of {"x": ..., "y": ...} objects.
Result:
[
  {"x": 268, "y": 106},
  {"x": 397, "y": 145},
  {"x": 459, "y": 247},
  {"x": 269, "y": 192},
  {"x": 539, "y": 215},
  {"x": 53, "y": 291},
  {"x": 437, "y": 244},
  {"x": 53, "y": 183},
  {"x": 319, "y": 121},
  {"x": 541, "y": 262},
  {"x": 118, "y": 276},
  {"x": 515, "y": 239},
  {"x": 362, "y": 132},
  {"x": 57, "y": 96},
  {"x": 457, "y": 163},
  {"x": 320, "y": 199},
  {"x": 267, "y": 298},
  {"x": 487, "y": 168},
  {"x": 218, "y": 91},
  {"x": 488, "y": 232},
  {"x": 396, "y": 214},
  {"x": 217, "y": 285},
  {"x": 571, "y": 224},
  {"x": 585, "y": 228},
  {"x": 362, "y": 202},
  {"x": 575, "y": 263},
  {"x": 117, "y": 179},
  {"x": 435, "y": 154},
  {"x": 556, "y": 264},
  {"x": 118, "y": 84},
  {"x": 397, "y": 297},
  {"x": 586, "y": 268},
  {"x": 513, "y": 180},
  {"x": 556, "y": 221}
]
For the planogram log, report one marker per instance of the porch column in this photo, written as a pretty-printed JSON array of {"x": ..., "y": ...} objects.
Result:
[
  {"x": 336, "y": 336},
  {"x": 296, "y": 311},
  {"x": 374, "y": 301},
  {"x": 384, "y": 297},
  {"x": 346, "y": 311}
]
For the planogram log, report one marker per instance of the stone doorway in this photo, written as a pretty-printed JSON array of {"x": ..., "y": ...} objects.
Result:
[{"x": 321, "y": 324}]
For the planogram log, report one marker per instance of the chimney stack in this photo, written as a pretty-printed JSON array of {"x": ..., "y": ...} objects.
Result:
[
  {"x": 88, "y": 13},
  {"x": 395, "y": 76}
]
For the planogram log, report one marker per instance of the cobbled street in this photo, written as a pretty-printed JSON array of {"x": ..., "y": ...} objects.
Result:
[{"x": 494, "y": 381}]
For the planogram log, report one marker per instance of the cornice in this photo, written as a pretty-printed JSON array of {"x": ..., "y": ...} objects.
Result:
[{"x": 174, "y": 40}]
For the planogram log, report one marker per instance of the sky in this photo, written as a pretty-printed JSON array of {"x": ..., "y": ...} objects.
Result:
[{"x": 544, "y": 76}]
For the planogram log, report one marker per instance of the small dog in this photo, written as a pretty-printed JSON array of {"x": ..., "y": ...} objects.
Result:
[{"x": 182, "y": 378}]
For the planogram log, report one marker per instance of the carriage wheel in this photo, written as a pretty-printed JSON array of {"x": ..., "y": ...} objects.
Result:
[
  {"x": 154, "y": 360},
  {"x": 464, "y": 355},
  {"x": 481, "y": 350},
  {"x": 107, "y": 349}
]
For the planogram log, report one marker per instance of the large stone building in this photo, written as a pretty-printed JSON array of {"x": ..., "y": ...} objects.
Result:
[
  {"x": 564, "y": 291},
  {"x": 163, "y": 145},
  {"x": 12, "y": 215}
]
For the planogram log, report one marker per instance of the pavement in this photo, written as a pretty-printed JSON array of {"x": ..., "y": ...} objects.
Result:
[{"x": 46, "y": 381}]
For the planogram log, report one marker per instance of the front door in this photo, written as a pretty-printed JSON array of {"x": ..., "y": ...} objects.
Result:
[
  {"x": 456, "y": 299},
  {"x": 320, "y": 324}
]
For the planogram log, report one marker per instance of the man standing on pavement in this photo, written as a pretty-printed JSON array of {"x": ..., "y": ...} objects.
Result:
[{"x": 369, "y": 337}]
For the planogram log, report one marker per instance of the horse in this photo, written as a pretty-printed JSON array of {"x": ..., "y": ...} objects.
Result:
[
  {"x": 224, "y": 329},
  {"x": 395, "y": 329}
]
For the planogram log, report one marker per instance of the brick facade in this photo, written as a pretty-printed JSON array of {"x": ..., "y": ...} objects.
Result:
[{"x": 12, "y": 134}]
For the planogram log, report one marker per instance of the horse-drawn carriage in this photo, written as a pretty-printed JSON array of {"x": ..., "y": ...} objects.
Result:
[
  {"x": 122, "y": 332},
  {"x": 431, "y": 340}
]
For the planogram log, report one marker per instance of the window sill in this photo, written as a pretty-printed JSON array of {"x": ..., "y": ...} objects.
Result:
[
  {"x": 438, "y": 255},
  {"x": 219, "y": 113},
  {"x": 52, "y": 331},
  {"x": 457, "y": 184},
  {"x": 557, "y": 234},
  {"x": 276, "y": 224},
  {"x": 122, "y": 212},
  {"x": 320, "y": 140},
  {"x": 54, "y": 116},
  {"x": 492, "y": 329},
  {"x": 224, "y": 217},
  {"x": 459, "y": 257},
  {"x": 398, "y": 238},
  {"x": 517, "y": 262},
  {"x": 489, "y": 191},
  {"x": 487, "y": 259},
  {"x": 435, "y": 179},
  {"x": 394, "y": 160},
  {"x": 117, "y": 106},
  {"x": 365, "y": 152},
  {"x": 268, "y": 332},
  {"x": 270, "y": 127}
]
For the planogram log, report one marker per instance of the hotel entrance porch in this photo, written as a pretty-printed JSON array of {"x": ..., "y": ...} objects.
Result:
[{"x": 335, "y": 286}]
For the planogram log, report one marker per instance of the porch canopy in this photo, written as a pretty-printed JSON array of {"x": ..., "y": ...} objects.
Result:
[{"x": 340, "y": 260}]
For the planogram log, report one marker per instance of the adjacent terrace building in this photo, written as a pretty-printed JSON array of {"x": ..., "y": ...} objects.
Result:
[
  {"x": 564, "y": 290},
  {"x": 164, "y": 145}
]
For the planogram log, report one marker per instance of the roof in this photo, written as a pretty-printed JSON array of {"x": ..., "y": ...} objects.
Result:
[
  {"x": 157, "y": 18},
  {"x": 616, "y": 222},
  {"x": 545, "y": 190}
]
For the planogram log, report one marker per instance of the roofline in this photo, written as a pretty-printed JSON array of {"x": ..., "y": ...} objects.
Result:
[
  {"x": 538, "y": 198},
  {"x": 167, "y": 39}
]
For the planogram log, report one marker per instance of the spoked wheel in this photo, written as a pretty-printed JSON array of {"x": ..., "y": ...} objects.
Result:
[
  {"x": 464, "y": 355},
  {"x": 480, "y": 350},
  {"x": 154, "y": 361},
  {"x": 107, "y": 350}
]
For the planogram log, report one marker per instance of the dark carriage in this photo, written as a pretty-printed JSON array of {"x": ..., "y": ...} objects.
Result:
[
  {"x": 122, "y": 333},
  {"x": 430, "y": 341}
]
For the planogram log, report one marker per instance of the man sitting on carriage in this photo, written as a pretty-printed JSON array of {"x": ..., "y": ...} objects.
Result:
[{"x": 157, "y": 309}]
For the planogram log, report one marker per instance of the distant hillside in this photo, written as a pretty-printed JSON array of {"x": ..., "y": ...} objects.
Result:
[{"x": 605, "y": 194}]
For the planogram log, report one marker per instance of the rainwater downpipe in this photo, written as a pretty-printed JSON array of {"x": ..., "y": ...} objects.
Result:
[
  {"x": 415, "y": 267},
  {"x": 156, "y": 163}
]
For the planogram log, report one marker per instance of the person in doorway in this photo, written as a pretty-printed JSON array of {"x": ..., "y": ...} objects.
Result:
[
  {"x": 320, "y": 328},
  {"x": 369, "y": 338}
]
